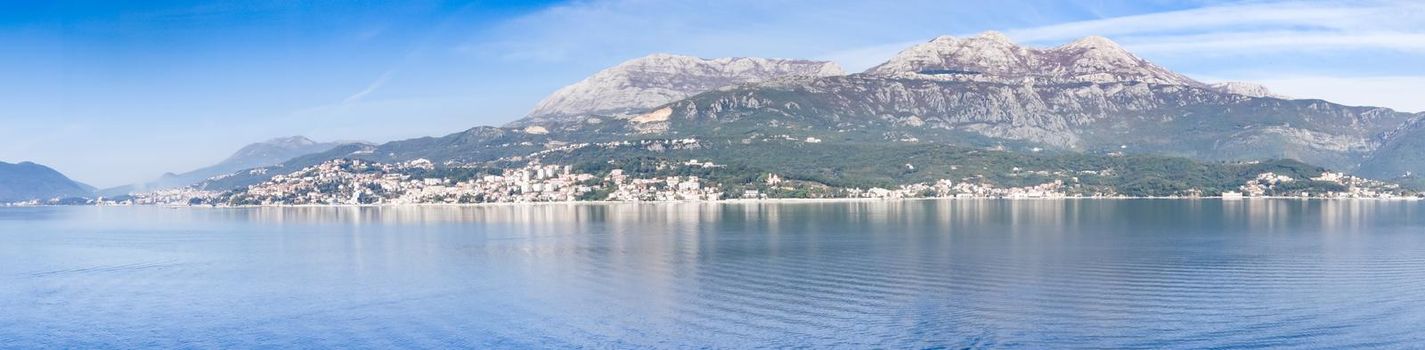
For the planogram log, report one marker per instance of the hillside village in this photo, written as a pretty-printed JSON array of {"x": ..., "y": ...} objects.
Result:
[
  {"x": 555, "y": 174},
  {"x": 360, "y": 182}
]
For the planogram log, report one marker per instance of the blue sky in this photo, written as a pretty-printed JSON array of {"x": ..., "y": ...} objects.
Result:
[{"x": 113, "y": 92}]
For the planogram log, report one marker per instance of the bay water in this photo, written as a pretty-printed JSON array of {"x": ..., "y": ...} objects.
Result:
[{"x": 859, "y": 274}]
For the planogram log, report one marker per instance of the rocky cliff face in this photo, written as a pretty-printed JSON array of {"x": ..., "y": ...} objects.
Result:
[
  {"x": 640, "y": 84},
  {"x": 1137, "y": 117}
]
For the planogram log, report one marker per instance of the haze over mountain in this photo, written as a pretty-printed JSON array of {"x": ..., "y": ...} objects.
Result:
[
  {"x": 255, "y": 155},
  {"x": 29, "y": 181},
  {"x": 985, "y": 91},
  {"x": 264, "y": 153}
]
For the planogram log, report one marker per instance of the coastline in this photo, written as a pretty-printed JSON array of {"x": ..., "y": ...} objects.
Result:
[{"x": 734, "y": 201}]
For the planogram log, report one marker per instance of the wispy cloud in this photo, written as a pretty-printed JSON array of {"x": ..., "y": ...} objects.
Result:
[
  {"x": 415, "y": 50},
  {"x": 1279, "y": 41},
  {"x": 618, "y": 29},
  {"x": 1269, "y": 26},
  {"x": 372, "y": 87},
  {"x": 1245, "y": 17}
]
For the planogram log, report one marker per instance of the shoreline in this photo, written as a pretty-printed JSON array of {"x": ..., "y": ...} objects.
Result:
[{"x": 726, "y": 201}]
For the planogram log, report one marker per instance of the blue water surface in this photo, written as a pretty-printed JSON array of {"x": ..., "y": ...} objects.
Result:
[{"x": 914, "y": 274}]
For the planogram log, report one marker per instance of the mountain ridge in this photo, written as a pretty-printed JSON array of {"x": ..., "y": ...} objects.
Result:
[{"x": 1246, "y": 89}]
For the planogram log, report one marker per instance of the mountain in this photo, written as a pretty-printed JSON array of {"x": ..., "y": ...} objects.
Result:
[
  {"x": 1187, "y": 121},
  {"x": 993, "y": 57},
  {"x": 1401, "y": 155},
  {"x": 1245, "y": 89},
  {"x": 646, "y": 82},
  {"x": 30, "y": 181},
  {"x": 1086, "y": 96},
  {"x": 479, "y": 144},
  {"x": 983, "y": 92},
  {"x": 255, "y": 155},
  {"x": 265, "y": 153}
]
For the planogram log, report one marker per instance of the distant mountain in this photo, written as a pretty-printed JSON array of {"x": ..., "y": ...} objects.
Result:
[
  {"x": 646, "y": 82},
  {"x": 255, "y": 155},
  {"x": 1246, "y": 89},
  {"x": 30, "y": 181},
  {"x": 1401, "y": 154},
  {"x": 479, "y": 144},
  {"x": 1089, "y": 96},
  {"x": 265, "y": 153}
]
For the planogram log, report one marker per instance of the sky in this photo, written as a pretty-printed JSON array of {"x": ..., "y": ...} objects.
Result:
[{"x": 117, "y": 92}]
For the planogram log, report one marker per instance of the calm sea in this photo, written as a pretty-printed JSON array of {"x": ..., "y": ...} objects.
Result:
[{"x": 915, "y": 274}]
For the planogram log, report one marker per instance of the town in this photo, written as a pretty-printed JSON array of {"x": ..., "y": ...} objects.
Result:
[
  {"x": 359, "y": 182},
  {"x": 551, "y": 175}
]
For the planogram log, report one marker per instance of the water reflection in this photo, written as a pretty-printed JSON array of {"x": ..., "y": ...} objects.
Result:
[
  {"x": 861, "y": 274},
  {"x": 1257, "y": 215}
]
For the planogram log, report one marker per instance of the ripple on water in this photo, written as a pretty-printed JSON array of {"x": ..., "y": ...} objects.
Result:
[{"x": 925, "y": 274}]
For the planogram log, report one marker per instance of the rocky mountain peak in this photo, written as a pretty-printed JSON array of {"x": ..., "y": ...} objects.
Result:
[
  {"x": 642, "y": 83},
  {"x": 992, "y": 56},
  {"x": 1094, "y": 42},
  {"x": 290, "y": 141},
  {"x": 1245, "y": 89},
  {"x": 944, "y": 39},
  {"x": 989, "y": 38},
  {"x": 1097, "y": 50},
  {"x": 994, "y": 37},
  {"x": 986, "y": 53}
]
